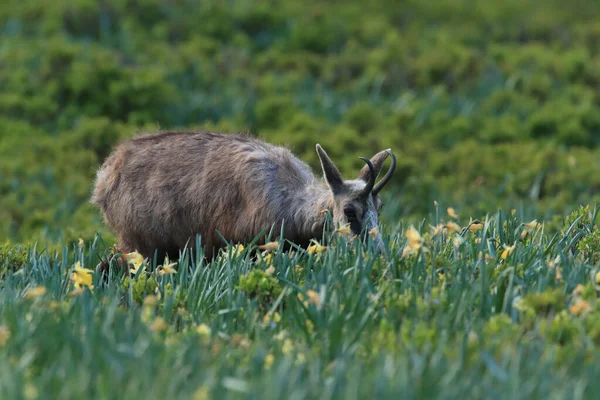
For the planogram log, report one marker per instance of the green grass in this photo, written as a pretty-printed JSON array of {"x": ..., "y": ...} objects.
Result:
[{"x": 460, "y": 317}]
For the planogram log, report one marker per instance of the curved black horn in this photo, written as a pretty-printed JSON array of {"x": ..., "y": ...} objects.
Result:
[
  {"x": 372, "y": 176},
  {"x": 387, "y": 176}
]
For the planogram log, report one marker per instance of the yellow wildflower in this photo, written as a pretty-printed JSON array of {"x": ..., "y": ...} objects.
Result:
[
  {"x": 508, "y": 250},
  {"x": 288, "y": 346},
  {"x": 313, "y": 297},
  {"x": 315, "y": 248},
  {"x": 457, "y": 241},
  {"x": 237, "y": 250},
  {"x": 529, "y": 227},
  {"x": 80, "y": 243},
  {"x": 414, "y": 242},
  {"x": 4, "y": 335},
  {"x": 150, "y": 300},
  {"x": 159, "y": 325},
  {"x": 438, "y": 229},
  {"x": 344, "y": 230},
  {"x": 167, "y": 269},
  {"x": 558, "y": 274},
  {"x": 452, "y": 213},
  {"x": 452, "y": 227},
  {"x": 267, "y": 258},
  {"x": 579, "y": 306},
  {"x": 81, "y": 276},
  {"x": 302, "y": 299},
  {"x": 271, "y": 317},
  {"x": 269, "y": 360},
  {"x": 414, "y": 237},
  {"x": 532, "y": 225},
  {"x": 270, "y": 270},
  {"x": 35, "y": 292},
  {"x": 280, "y": 336},
  {"x": 135, "y": 259},
  {"x": 373, "y": 232},
  {"x": 203, "y": 330},
  {"x": 76, "y": 292},
  {"x": 475, "y": 225},
  {"x": 269, "y": 246}
]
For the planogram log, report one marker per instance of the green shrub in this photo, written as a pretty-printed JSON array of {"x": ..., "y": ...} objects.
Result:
[
  {"x": 11, "y": 258},
  {"x": 490, "y": 109},
  {"x": 258, "y": 284}
]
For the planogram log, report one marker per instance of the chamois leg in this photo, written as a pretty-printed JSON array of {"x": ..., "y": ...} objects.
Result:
[{"x": 121, "y": 248}]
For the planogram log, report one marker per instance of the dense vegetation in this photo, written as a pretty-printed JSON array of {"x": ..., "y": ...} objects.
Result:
[
  {"x": 500, "y": 310},
  {"x": 488, "y": 105}
]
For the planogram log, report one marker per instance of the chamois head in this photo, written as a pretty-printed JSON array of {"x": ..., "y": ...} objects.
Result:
[{"x": 356, "y": 202}]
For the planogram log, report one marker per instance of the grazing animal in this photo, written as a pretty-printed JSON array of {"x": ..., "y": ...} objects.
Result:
[{"x": 157, "y": 191}]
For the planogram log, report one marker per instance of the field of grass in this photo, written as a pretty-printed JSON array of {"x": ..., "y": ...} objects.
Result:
[
  {"x": 490, "y": 107},
  {"x": 505, "y": 308}
]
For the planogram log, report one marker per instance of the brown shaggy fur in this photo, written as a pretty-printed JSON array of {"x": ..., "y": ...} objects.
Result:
[{"x": 157, "y": 191}]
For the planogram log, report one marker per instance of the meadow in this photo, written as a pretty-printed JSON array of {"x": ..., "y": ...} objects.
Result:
[
  {"x": 501, "y": 308},
  {"x": 491, "y": 287}
]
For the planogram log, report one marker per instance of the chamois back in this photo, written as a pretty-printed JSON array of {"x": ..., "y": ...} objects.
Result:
[{"x": 157, "y": 191}]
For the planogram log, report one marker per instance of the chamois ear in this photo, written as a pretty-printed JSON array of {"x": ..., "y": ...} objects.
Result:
[
  {"x": 330, "y": 171},
  {"x": 377, "y": 160}
]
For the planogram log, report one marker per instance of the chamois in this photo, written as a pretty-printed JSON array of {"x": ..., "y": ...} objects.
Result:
[{"x": 158, "y": 191}]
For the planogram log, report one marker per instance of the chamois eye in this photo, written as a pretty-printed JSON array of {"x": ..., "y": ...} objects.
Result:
[{"x": 350, "y": 212}]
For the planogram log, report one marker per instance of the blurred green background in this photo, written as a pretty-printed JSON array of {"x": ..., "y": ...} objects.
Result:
[{"x": 486, "y": 104}]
